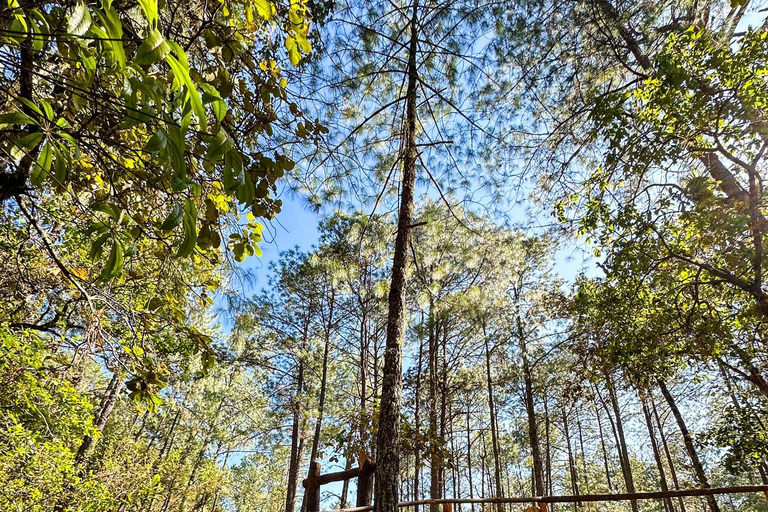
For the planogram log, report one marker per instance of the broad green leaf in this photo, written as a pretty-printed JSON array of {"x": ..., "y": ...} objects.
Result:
[
  {"x": 19, "y": 27},
  {"x": 60, "y": 165},
  {"x": 15, "y": 118},
  {"x": 246, "y": 192},
  {"x": 233, "y": 171},
  {"x": 157, "y": 142},
  {"x": 175, "y": 147},
  {"x": 211, "y": 96},
  {"x": 182, "y": 73},
  {"x": 190, "y": 229},
  {"x": 97, "y": 246},
  {"x": 79, "y": 21},
  {"x": 114, "y": 31},
  {"x": 114, "y": 263},
  {"x": 31, "y": 106},
  {"x": 293, "y": 50},
  {"x": 47, "y": 109},
  {"x": 219, "y": 145},
  {"x": 150, "y": 10},
  {"x": 173, "y": 219},
  {"x": 26, "y": 144},
  {"x": 42, "y": 167},
  {"x": 153, "y": 49},
  {"x": 265, "y": 8},
  {"x": 111, "y": 210}
]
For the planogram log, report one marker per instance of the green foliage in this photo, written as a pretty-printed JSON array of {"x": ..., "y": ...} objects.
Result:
[
  {"x": 42, "y": 422},
  {"x": 741, "y": 432}
]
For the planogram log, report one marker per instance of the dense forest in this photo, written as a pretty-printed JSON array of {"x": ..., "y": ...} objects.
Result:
[{"x": 539, "y": 269}]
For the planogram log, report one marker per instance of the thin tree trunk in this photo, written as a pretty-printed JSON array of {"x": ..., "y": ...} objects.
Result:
[
  {"x": 586, "y": 488},
  {"x": 469, "y": 458},
  {"x": 417, "y": 425},
  {"x": 571, "y": 462},
  {"x": 698, "y": 468},
  {"x": 345, "y": 486},
  {"x": 108, "y": 402},
  {"x": 656, "y": 452},
  {"x": 364, "y": 348},
  {"x": 533, "y": 431},
  {"x": 293, "y": 467},
  {"x": 626, "y": 469},
  {"x": 667, "y": 453},
  {"x": 604, "y": 450},
  {"x": 435, "y": 447},
  {"x": 323, "y": 381},
  {"x": 547, "y": 435},
  {"x": 494, "y": 431}
]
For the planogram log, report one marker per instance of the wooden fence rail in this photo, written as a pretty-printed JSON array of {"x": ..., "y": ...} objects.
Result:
[
  {"x": 364, "y": 475},
  {"x": 683, "y": 493}
]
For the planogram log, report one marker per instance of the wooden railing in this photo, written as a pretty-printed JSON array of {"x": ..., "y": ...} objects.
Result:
[{"x": 540, "y": 502}]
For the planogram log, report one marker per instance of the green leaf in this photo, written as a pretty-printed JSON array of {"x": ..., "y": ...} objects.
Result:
[
  {"x": 233, "y": 171},
  {"x": 190, "y": 230},
  {"x": 19, "y": 27},
  {"x": 150, "y": 10},
  {"x": 26, "y": 144},
  {"x": 293, "y": 50},
  {"x": 157, "y": 142},
  {"x": 60, "y": 166},
  {"x": 211, "y": 95},
  {"x": 112, "y": 211},
  {"x": 265, "y": 9},
  {"x": 48, "y": 110},
  {"x": 153, "y": 49},
  {"x": 15, "y": 118},
  {"x": 79, "y": 21},
  {"x": 97, "y": 246},
  {"x": 31, "y": 106},
  {"x": 180, "y": 68},
  {"x": 173, "y": 219},
  {"x": 114, "y": 263},
  {"x": 218, "y": 147},
  {"x": 114, "y": 31},
  {"x": 43, "y": 166},
  {"x": 176, "y": 147}
]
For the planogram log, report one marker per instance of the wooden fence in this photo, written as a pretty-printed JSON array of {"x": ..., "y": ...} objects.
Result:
[{"x": 365, "y": 474}]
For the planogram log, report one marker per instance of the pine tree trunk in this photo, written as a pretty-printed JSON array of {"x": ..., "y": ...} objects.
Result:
[
  {"x": 533, "y": 431},
  {"x": 435, "y": 489},
  {"x": 548, "y": 447},
  {"x": 364, "y": 423},
  {"x": 417, "y": 425},
  {"x": 323, "y": 380},
  {"x": 469, "y": 459},
  {"x": 494, "y": 431},
  {"x": 586, "y": 488},
  {"x": 388, "y": 439},
  {"x": 294, "y": 465}
]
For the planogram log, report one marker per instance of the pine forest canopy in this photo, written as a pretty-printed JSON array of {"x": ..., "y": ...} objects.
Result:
[{"x": 461, "y": 156}]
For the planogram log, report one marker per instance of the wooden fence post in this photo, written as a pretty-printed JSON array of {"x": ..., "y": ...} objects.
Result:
[
  {"x": 365, "y": 484},
  {"x": 313, "y": 488}
]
